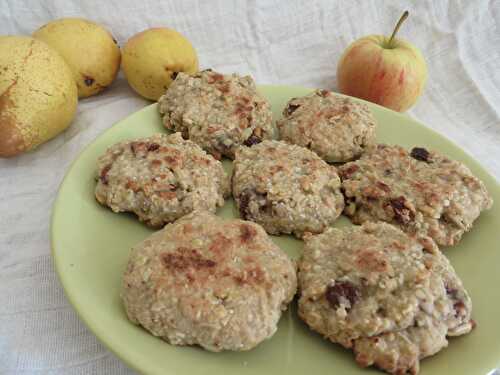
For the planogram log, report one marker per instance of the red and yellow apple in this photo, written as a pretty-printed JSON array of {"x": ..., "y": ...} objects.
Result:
[{"x": 387, "y": 71}]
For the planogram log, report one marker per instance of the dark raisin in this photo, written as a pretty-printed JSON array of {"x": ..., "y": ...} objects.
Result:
[
  {"x": 452, "y": 292},
  {"x": 153, "y": 147},
  {"x": 458, "y": 304},
  {"x": 342, "y": 290},
  {"x": 244, "y": 201},
  {"x": 347, "y": 171},
  {"x": 402, "y": 214},
  {"x": 382, "y": 312},
  {"x": 104, "y": 174},
  {"x": 323, "y": 93},
  {"x": 207, "y": 70},
  {"x": 290, "y": 108},
  {"x": 420, "y": 153},
  {"x": 459, "y": 308},
  {"x": 89, "y": 81},
  {"x": 252, "y": 140},
  {"x": 114, "y": 41},
  {"x": 174, "y": 75},
  {"x": 387, "y": 172}
]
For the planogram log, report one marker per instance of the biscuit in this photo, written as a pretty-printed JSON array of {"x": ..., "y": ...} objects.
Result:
[
  {"x": 203, "y": 280},
  {"x": 218, "y": 112},
  {"x": 391, "y": 298},
  {"x": 286, "y": 188},
  {"x": 160, "y": 179},
  {"x": 421, "y": 191},
  {"x": 337, "y": 128}
]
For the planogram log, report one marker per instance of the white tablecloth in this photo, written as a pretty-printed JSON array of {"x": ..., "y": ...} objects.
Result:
[{"x": 286, "y": 42}]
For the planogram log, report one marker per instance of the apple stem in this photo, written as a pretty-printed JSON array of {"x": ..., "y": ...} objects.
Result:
[{"x": 398, "y": 25}]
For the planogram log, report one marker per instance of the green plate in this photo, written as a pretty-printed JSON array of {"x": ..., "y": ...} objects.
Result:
[{"x": 91, "y": 244}]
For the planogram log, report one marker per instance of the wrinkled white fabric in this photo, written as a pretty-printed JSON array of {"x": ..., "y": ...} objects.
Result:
[{"x": 280, "y": 42}]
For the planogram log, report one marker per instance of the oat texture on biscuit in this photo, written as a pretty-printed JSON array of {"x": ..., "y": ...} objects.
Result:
[
  {"x": 337, "y": 128},
  {"x": 218, "y": 112},
  {"x": 220, "y": 284},
  {"x": 160, "y": 179},
  {"x": 391, "y": 298},
  {"x": 286, "y": 188},
  {"x": 421, "y": 191}
]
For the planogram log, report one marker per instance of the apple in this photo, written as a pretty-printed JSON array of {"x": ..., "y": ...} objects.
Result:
[{"x": 387, "y": 71}]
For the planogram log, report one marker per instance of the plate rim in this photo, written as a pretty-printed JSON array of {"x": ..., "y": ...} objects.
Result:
[{"x": 56, "y": 206}]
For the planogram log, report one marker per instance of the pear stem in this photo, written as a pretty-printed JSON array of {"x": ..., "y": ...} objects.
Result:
[{"x": 398, "y": 25}]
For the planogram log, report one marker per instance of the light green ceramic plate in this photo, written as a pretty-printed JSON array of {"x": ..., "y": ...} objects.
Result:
[{"x": 91, "y": 245}]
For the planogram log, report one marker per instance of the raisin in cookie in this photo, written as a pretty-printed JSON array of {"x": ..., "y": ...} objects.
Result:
[
  {"x": 421, "y": 191},
  {"x": 391, "y": 298},
  {"x": 337, "y": 128},
  {"x": 218, "y": 112},
  {"x": 286, "y": 188},
  {"x": 221, "y": 284},
  {"x": 160, "y": 179}
]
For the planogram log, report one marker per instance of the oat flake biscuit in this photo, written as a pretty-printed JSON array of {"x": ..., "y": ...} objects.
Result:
[
  {"x": 218, "y": 112},
  {"x": 391, "y": 298},
  {"x": 421, "y": 191},
  {"x": 160, "y": 179},
  {"x": 203, "y": 280},
  {"x": 337, "y": 128},
  {"x": 286, "y": 188}
]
